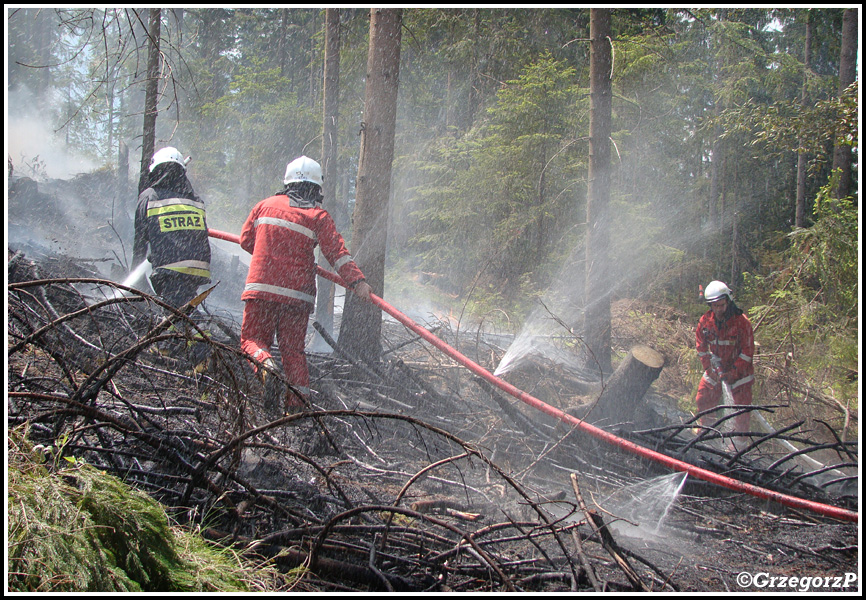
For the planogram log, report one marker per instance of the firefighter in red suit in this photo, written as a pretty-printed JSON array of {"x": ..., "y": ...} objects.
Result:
[
  {"x": 726, "y": 348},
  {"x": 281, "y": 233}
]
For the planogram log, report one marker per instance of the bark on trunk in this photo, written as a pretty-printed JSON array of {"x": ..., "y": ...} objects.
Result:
[
  {"x": 326, "y": 289},
  {"x": 360, "y": 330},
  {"x": 842, "y": 156},
  {"x": 148, "y": 141},
  {"x": 598, "y": 275},
  {"x": 800, "y": 208}
]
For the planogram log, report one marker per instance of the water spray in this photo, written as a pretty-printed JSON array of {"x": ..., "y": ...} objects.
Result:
[
  {"x": 642, "y": 508},
  {"x": 672, "y": 463},
  {"x": 143, "y": 269}
]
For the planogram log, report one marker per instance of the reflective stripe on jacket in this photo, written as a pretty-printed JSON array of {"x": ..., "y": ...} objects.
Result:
[
  {"x": 282, "y": 239},
  {"x": 733, "y": 342}
]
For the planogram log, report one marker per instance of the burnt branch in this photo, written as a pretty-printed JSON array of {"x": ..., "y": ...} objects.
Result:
[{"x": 400, "y": 475}]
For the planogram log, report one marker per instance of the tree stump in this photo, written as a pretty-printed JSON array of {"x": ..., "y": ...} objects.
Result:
[{"x": 622, "y": 399}]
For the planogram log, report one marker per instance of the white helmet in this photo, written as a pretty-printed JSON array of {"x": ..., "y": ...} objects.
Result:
[
  {"x": 303, "y": 169},
  {"x": 166, "y": 155},
  {"x": 717, "y": 289}
]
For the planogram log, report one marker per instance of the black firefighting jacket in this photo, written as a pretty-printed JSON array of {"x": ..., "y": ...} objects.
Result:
[{"x": 171, "y": 228}]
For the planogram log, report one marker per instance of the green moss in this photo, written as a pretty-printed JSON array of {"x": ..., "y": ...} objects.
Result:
[{"x": 75, "y": 528}]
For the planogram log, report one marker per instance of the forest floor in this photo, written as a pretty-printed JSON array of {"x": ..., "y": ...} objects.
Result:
[{"x": 409, "y": 474}]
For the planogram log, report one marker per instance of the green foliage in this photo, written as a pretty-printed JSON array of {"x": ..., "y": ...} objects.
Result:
[
  {"x": 785, "y": 126},
  {"x": 832, "y": 250},
  {"x": 269, "y": 129},
  {"x": 809, "y": 307},
  {"x": 515, "y": 177},
  {"x": 493, "y": 117},
  {"x": 73, "y": 528}
]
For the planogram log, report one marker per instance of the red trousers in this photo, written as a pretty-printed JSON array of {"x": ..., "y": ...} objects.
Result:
[
  {"x": 262, "y": 320},
  {"x": 710, "y": 395}
]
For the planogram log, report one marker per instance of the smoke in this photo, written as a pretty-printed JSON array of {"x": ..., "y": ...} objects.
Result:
[
  {"x": 57, "y": 213},
  {"x": 35, "y": 148}
]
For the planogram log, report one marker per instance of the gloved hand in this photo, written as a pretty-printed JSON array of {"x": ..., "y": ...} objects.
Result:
[
  {"x": 363, "y": 290},
  {"x": 729, "y": 377},
  {"x": 263, "y": 374}
]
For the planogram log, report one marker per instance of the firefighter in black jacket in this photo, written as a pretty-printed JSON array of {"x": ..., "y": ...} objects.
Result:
[{"x": 171, "y": 232}]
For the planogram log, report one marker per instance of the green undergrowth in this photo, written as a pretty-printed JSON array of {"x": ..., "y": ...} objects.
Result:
[{"x": 75, "y": 528}]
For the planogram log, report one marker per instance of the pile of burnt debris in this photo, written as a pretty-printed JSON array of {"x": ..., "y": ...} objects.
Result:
[{"x": 409, "y": 474}]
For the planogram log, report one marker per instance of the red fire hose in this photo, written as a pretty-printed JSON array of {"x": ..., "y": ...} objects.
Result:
[{"x": 677, "y": 465}]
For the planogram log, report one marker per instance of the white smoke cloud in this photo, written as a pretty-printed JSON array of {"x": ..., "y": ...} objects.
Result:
[{"x": 32, "y": 144}]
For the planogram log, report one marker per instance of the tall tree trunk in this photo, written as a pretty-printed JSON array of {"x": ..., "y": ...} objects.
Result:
[
  {"x": 539, "y": 202},
  {"x": 122, "y": 171},
  {"x": 148, "y": 140},
  {"x": 800, "y": 210},
  {"x": 315, "y": 74},
  {"x": 176, "y": 52},
  {"x": 715, "y": 208},
  {"x": 325, "y": 293},
  {"x": 360, "y": 330},
  {"x": 283, "y": 42},
  {"x": 43, "y": 43},
  {"x": 735, "y": 232},
  {"x": 124, "y": 221},
  {"x": 178, "y": 24},
  {"x": 842, "y": 157},
  {"x": 599, "y": 281},
  {"x": 474, "y": 94},
  {"x": 714, "y": 217}
]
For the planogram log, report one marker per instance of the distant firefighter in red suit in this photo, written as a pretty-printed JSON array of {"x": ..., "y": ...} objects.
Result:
[{"x": 726, "y": 346}]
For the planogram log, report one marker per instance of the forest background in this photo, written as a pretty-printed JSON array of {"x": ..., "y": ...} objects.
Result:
[{"x": 734, "y": 131}]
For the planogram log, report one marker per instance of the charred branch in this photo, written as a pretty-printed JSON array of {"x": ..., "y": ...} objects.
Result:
[{"x": 397, "y": 477}]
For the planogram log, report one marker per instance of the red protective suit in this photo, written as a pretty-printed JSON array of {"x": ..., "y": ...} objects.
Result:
[
  {"x": 280, "y": 291},
  {"x": 733, "y": 342}
]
